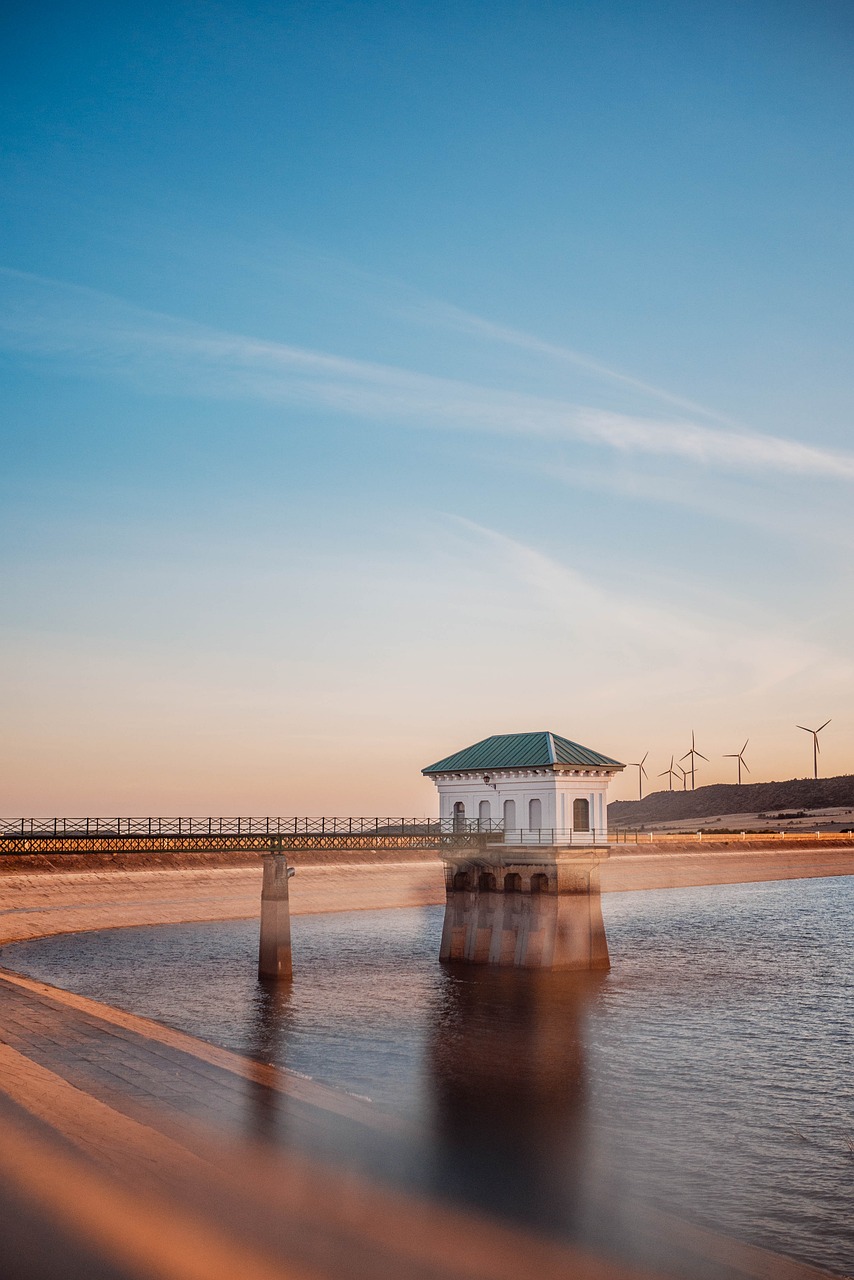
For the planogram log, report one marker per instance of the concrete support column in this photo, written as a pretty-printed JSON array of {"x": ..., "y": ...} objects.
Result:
[
  {"x": 545, "y": 911},
  {"x": 274, "y": 951}
]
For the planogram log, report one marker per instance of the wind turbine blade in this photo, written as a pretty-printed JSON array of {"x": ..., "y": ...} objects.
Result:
[
  {"x": 823, "y": 726},
  {"x": 744, "y": 748},
  {"x": 702, "y": 757},
  {"x": 686, "y": 755},
  {"x": 805, "y": 729},
  {"x": 745, "y": 766}
]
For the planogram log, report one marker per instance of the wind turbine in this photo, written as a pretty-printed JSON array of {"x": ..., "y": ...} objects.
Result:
[
  {"x": 739, "y": 756},
  {"x": 694, "y": 752},
  {"x": 642, "y": 773},
  {"x": 669, "y": 773},
  {"x": 684, "y": 775},
  {"x": 815, "y": 747}
]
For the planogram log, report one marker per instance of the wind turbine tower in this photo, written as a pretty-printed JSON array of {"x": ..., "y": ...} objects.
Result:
[
  {"x": 739, "y": 756},
  {"x": 692, "y": 753},
  {"x": 669, "y": 773},
  {"x": 815, "y": 747},
  {"x": 642, "y": 773}
]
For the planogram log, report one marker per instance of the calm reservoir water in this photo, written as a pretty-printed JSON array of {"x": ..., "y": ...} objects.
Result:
[{"x": 710, "y": 1074}]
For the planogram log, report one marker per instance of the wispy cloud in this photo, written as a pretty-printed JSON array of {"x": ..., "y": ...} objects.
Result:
[
  {"x": 90, "y": 332},
  {"x": 672, "y": 649},
  {"x": 465, "y": 322}
]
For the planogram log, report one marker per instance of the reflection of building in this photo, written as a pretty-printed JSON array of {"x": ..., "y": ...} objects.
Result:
[
  {"x": 507, "y": 1071},
  {"x": 529, "y": 896},
  {"x": 540, "y": 787}
]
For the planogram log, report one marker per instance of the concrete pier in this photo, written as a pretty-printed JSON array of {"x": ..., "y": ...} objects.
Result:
[
  {"x": 274, "y": 950},
  {"x": 526, "y": 908}
]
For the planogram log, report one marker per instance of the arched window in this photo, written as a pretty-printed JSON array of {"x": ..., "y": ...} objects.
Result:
[
  {"x": 486, "y": 882},
  {"x": 535, "y": 814},
  {"x": 462, "y": 881},
  {"x": 512, "y": 881},
  {"x": 484, "y": 812},
  {"x": 509, "y": 815},
  {"x": 581, "y": 815},
  {"x": 539, "y": 883},
  {"x": 459, "y": 816}
]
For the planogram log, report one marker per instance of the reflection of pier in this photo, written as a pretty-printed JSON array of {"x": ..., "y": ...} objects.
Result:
[{"x": 507, "y": 1066}]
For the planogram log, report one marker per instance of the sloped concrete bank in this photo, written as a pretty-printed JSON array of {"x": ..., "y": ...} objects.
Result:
[
  {"x": 674, "y": 865},
  {"x": 36, "y": 901}
]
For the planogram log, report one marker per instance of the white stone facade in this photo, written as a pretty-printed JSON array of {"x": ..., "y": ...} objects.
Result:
[{"x": 553, "y": 804}]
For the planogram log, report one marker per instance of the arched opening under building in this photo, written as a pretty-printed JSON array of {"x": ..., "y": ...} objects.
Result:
[
  {"x": 539, "y": 883},
  {"x": 581, "y": 815},
  {"x": 486, "y": 882},
  {"x": 462, "y": 880},
  {"x": 512, "y": 882}
]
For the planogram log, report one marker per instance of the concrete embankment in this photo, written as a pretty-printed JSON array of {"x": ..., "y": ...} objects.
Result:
[
  {"x": 60, "y": 897},
  {"x": 671, "y": 864},
  {"x": 36, "y": 904}
]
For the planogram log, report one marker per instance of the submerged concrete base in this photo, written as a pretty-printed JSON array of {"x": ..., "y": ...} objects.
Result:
[
  {"x": 274, "y": 951},
  {"x": 525, "y": 909}
]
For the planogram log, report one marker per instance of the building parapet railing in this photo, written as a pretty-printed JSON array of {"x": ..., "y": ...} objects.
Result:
[{"x": 554, "y": 835}]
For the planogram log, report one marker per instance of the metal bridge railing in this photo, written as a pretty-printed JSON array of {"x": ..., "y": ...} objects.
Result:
[{"x": 237, "y": 826}]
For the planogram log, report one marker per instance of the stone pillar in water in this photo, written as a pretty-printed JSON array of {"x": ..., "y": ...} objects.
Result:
[
  {"x": 274, "y": 951},
  {"x": 525, "y": 908}
]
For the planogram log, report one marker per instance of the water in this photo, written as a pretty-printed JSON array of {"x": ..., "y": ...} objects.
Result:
[{"x": 710, "y": 1073}]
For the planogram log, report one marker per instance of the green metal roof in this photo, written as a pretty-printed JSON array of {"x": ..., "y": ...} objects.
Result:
[{"x": 521, "y": 751}]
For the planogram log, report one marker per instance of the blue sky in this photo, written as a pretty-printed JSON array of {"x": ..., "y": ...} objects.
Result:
[{"x": 377, "y": 377}]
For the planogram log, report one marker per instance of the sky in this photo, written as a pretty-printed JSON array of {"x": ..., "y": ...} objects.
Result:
[{"x": 377, "y": 377}]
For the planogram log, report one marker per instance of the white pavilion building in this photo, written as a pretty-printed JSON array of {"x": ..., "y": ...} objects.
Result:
[{"x": 539, "y": 787}]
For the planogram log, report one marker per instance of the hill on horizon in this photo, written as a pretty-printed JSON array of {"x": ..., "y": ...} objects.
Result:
[{"x": 722, "y": 798}]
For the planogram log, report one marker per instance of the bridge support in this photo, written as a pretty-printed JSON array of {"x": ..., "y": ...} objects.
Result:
[
  {"x": 274, "y": 950},
  {"x": 526, "y": 908}
]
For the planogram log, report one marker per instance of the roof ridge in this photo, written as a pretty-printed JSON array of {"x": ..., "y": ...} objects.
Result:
[{"x": 520, "y": 751}]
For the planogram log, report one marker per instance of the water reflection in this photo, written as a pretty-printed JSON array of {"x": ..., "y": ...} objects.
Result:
[
  {"x": 266, "y": 1042},
  {"x": 506, "y": 1067}
]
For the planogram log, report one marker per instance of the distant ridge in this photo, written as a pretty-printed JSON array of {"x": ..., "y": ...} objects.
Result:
[{"x": 754, "y": 797}]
